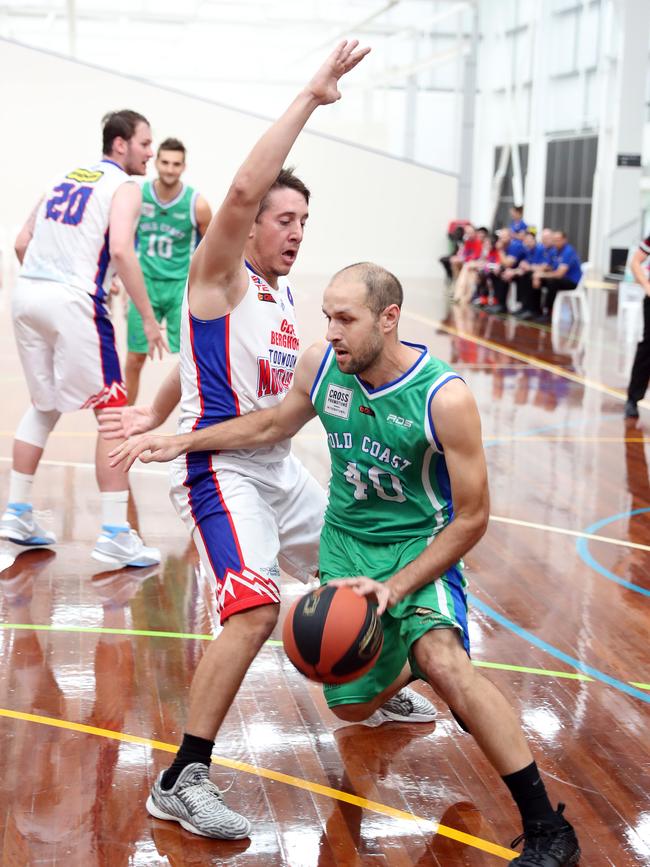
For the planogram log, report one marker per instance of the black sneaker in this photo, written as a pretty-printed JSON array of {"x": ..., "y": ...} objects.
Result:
[
  {"x": 548, "y": 845},
  {"x": 631, "y": 410}
]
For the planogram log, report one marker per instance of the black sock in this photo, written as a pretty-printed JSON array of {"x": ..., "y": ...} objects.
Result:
[
  {"x": 192, "y": 749},
  {"x": 529, "y": 793}
]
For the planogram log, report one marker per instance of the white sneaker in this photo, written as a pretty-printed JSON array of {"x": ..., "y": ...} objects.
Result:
[
  {"x": 19, "y": 526},
  {"x": 198, "y": 805},
  {"x": 121, "y": 546},
  {"x": 407, "y": 706}
]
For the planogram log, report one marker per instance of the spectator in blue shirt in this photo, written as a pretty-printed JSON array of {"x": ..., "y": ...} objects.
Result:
[
  {"x": 566, "y": 274},
  {"x": 517, "y": 224},
  {"x": 532, "y": 257},
  {"x": 550, "y": 253},
  {"x": 512, "y": 252}
]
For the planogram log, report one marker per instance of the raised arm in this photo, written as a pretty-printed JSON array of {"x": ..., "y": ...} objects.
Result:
[
  {"x": 218, "y": 261},
  {"x": 125, "y": 212},
  {"x": 260, "y": 428}
]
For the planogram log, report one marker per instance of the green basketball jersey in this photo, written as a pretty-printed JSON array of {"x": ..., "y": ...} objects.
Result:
[
  {"x": 389, "y": 477},
  {"x": 167, "y": 234}
]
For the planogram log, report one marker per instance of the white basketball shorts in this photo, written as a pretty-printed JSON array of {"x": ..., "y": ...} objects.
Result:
[
  {"x": 247, "y": 520},
  {"x": 66, "y": 345}
]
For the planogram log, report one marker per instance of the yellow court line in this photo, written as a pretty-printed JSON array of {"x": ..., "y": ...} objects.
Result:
[
  {"x": 624, "y": 543},
  {"x": 521, "y": 356},
  {"x": 297, "y": 782}
]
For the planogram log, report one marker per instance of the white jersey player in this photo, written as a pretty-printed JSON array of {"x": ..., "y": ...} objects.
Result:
[
  {"x": 235, "y": 503},
  {"x": 249, "y": 512},
  {"x": 78, "y": 236}
]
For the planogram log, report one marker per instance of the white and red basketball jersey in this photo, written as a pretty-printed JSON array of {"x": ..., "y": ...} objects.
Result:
[
  {"x": 70, "y": 240},
  {"x": 241, "y": 362}
]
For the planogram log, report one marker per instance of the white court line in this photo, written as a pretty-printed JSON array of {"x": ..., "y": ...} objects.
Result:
[
  {"x": 146, "y": 471},
  {"x": 564, "y": 532}
]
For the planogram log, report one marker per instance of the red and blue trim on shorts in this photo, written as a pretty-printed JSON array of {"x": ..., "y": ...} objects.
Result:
[
  {"x": 113, "y": 392},
  {"x": 238, "y": 587}
]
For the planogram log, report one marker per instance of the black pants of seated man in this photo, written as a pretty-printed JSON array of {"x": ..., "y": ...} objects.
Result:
[
  {"x": 500, "y": 288},
  {"x": 640, "y": 375},
  {"x": 559, "y": 284},
  {"x": 529, "y": 297}
]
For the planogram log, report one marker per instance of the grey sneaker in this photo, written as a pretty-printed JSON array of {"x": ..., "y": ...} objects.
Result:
[
  {"x": 19, "y": 526},
  {"x": 407, "y": 706},
  {"x": 121, "y": 546},
  {"x": 198, "y": 805}
]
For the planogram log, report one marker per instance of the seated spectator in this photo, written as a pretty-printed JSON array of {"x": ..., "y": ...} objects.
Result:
[
  {"x": 471, "y": 248},
  {"x": 522, "y": 275},
  {"x": 550, "y": 253},
  {"x": 455, "y": 242},
  {"x": 517, "y": 224},
  {"x": 564, "y": 274},
  {"x": 474, "y": 269},
  {"x": 511, "y": 252}
]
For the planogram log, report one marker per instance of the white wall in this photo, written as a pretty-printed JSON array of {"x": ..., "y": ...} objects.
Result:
[{"x": 365, "y": 205}]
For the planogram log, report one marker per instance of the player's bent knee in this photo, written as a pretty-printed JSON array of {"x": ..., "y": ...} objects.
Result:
[{"x": 445, "y": 664}]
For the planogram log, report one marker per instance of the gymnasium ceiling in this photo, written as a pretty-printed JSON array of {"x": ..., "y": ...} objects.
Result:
[{"x": 234, "y": 50}]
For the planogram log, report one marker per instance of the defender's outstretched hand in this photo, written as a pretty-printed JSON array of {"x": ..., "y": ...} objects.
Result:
[
  {"x": 148, "y": 448},
  {"x": 122, "y": 422},
  {"x": 345, "y": 57}
]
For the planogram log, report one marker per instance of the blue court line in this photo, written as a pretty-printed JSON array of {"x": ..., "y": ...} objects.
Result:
[
  {"x": 582, "y": 547},
  {"x": 556, "y": 652},
  {"x": 495, "y": 441}
]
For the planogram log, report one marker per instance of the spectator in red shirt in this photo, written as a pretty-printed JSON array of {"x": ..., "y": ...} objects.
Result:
[
  {"x": 469, "y": 249},
  {"x": 474, "y": 252}
]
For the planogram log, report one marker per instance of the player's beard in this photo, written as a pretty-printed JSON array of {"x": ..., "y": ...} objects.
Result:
[
  {"x": 134, "y": 165},
  {"x": 366, "y": 355}
]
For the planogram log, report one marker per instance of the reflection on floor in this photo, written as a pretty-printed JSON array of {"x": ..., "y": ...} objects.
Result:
[{"x": 114, "y": 653}]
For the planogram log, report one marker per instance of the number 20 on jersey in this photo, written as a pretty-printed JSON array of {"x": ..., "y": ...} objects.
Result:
[{"x": 68, "y": 204}]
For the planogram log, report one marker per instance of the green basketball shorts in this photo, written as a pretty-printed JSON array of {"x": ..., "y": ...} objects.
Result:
[
  {"x": 442, "y": 604},
  {"x": 166, "y": 298}
]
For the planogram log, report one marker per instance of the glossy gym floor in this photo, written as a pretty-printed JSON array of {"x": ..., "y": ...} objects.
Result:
[{"x": 95, "y": 667}]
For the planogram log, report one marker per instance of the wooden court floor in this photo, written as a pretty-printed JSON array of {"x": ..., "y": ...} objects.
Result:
[{"x": 95, "y": 667}]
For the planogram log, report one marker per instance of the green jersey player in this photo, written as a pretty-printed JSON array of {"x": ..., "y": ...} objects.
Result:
[
  {"x": 173, "y": 219},
  {"x": 408, "y": 499}
]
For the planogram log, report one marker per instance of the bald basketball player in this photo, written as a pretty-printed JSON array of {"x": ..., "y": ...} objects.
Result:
[{"x": 408, "y": 498}]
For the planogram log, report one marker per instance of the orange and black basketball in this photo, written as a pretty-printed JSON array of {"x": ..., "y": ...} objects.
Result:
[{"x": 332, "y": 635}]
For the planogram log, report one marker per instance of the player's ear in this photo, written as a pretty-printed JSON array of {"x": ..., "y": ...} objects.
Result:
[{"x": 390, "y": 317}]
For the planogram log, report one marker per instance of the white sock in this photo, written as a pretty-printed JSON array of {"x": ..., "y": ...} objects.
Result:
[
  {"x": 20, "y": 487},
  {"x": 114, "y": 506}
]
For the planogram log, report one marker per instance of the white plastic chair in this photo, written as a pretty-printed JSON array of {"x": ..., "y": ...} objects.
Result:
[{"x": 577, "y": 299}]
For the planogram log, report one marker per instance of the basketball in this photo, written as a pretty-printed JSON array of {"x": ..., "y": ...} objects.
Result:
[{"x": 332, "y": 635}]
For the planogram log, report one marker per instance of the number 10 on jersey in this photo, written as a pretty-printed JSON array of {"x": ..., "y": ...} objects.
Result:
[{"x": 159, "y": 246}]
